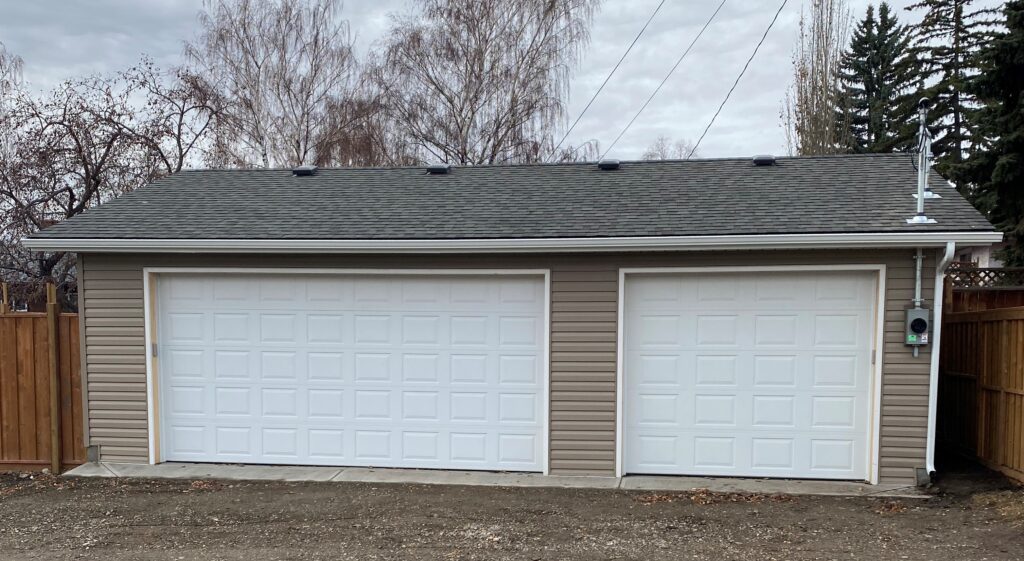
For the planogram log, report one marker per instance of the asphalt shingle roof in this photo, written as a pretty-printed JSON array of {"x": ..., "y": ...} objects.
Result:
[{"x": 824, "y": 194}]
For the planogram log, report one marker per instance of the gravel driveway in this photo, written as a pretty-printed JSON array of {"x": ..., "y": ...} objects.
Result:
[{"x": 54, "y": 518}]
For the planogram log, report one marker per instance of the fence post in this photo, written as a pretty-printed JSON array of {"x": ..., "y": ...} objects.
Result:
[
  {"x": 5, "y": 300},
  {"x": 52, "y": 315}
]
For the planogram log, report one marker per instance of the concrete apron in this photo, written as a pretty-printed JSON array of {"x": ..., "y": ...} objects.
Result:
[{"x": 175, "y": 470}]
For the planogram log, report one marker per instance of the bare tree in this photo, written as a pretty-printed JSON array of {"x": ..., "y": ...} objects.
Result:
[
  {"x": 664, "y": 149},
  {"x": 10, "y": 81},
  {"x": 362, "y": 135},
  {"x": 88, "y": 141},
  {"x": 813, "y": 114},
  {"x": 589, "y": 151},
  {"x": 10, "y": 72},
  {"x": 482, "y": 82},
  {"x": 178, "y": 115},
  {"x": 67, "y": 152},
  {"x": 278, "y": 66}
]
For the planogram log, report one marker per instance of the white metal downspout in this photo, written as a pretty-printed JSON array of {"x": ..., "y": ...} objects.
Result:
[{"x": 933, "y": 387}]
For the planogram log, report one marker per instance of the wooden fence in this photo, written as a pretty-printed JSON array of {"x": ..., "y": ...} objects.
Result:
[
  {"x": 39, "y": 351},
  {"x": 972, "y": 300},
  {"x": 970, "y": 289},
  {"x": 981, "y": 387}
]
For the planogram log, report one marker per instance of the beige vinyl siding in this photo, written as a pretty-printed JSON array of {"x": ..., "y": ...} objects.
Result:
[
  {"x": 115, "y": 358},
  {"x": 584, "y": 312},
  {"x": 584, "y": 308}
]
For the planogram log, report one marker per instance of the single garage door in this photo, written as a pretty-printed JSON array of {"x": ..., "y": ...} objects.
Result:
[
  {"x": 408, "y": 370},
  {"x": 749, "y": 374}
]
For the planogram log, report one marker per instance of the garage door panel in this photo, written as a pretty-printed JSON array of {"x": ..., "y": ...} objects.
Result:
[
  {"x": 346, "y": 370},
  {"x": 758, "y": 375},
  {"x": 762, "y": 454},
  {"x": 801, "y": 370}
]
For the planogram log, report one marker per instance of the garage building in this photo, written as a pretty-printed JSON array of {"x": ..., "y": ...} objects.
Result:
[{"x": 700, "y": 317}]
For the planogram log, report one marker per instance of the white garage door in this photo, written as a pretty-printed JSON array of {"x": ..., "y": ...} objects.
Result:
[
  {"x": 399, "y": 371},
  {"x": 754, "y": 374}
]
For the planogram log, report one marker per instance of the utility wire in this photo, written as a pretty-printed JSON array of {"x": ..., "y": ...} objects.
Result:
[
  {"x": 734, "y": 84},
  {"x": 667, "y": 76},
  {"x": 609, "y": 77}
]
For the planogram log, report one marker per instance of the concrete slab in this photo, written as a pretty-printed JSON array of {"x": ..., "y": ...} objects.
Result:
[
  {"x": 768, "y": 486},
  {"x": 491, "y": 479},
  {"x": 174, "y": 470},
  {"x": 90, "y": 470},
  {"x": 480, "y": 478}
]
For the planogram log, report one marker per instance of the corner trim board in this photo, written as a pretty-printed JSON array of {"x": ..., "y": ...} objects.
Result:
[
  {"x": 149, "y": 326},
  {"x": 83, "y": 350}
]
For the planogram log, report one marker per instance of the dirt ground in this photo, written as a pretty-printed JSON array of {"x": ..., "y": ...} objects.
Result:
[{"x": 54, "y": 518}]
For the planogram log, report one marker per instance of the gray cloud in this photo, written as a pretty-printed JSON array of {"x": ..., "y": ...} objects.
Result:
[{"x": 62, "y": 38}]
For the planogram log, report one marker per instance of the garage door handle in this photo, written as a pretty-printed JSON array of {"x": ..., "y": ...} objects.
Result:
[{"x": 153, "y": 349}]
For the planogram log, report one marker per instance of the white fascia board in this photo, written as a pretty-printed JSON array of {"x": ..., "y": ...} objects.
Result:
[{"x": 518, "y": 245}]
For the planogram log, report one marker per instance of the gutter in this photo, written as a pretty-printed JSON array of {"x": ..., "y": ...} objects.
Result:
[
  {"x": 933, "y": 380},
  {"x": 516, "y": 245}
]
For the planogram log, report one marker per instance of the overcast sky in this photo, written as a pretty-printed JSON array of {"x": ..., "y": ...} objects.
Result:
[{"x": 62, "y": 38}]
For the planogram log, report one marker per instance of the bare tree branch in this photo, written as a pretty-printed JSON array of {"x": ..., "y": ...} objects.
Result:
[
  {"x": 278, "y": 67},
  {"x": 481, "y": 82},
  {"x": 664, "y": 149}
]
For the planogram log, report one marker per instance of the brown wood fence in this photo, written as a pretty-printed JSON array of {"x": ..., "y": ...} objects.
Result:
[
  {"x": 971, "y": 300},
  {"x": 981, "y": 387},
  {"x": 970, "y": 289},
  {"x": 37, "y": 349}
]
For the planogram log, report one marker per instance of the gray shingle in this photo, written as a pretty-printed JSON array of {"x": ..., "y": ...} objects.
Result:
[{"x": 827, "y": 194}]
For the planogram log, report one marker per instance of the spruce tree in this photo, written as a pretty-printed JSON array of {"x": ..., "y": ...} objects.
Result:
[
  {"x": 946, "y": 40},
  {"x": 995, "y": 166},
  {"x": 879, "y": 82}
]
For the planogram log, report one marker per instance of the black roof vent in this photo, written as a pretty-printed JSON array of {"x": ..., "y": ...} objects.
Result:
[
  {"x": 438, "y": 169},
  {"x": 607, "y": 164},
  {"x": 303, "y": 171},
  {"x": 764, "y": 160}
]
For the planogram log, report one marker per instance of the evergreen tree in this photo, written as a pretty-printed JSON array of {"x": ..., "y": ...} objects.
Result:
[
  {"x": 995, "y": 166},
  {"x": 946, "y": 40},
  {"x": 879, "y": 83}
]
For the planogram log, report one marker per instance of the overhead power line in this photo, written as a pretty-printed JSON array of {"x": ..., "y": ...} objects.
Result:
[
  {"x": 607, "y": 78},
  {"x": 740, "y": 76},
  {"x": 667, "y": 76}
]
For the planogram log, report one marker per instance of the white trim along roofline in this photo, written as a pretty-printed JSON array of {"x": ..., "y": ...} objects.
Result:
[{"x": 517, "y": 245}]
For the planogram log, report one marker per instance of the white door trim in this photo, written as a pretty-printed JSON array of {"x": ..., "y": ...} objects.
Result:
[
  {"x": 150, "y": 312},
  {"x": 875, "y": 397}
]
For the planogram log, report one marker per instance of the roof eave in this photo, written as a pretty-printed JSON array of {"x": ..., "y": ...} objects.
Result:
[{"x": 520, "y": 245}]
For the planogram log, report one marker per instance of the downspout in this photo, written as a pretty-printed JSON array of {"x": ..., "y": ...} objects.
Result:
[{"x": 933, "y": 381}]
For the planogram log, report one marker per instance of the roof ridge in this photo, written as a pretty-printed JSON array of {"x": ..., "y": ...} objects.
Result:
[{"x": 557, "y": 164}]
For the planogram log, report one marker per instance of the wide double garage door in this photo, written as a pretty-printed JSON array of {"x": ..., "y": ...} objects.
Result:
[
  {"x": 764, "y": 374},
  {"x": 399, "y": 370}
]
